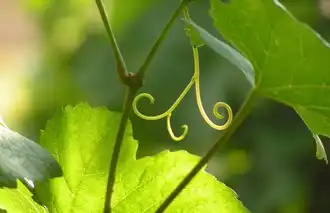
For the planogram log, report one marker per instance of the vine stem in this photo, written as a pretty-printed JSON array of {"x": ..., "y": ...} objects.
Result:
[
  {"x": 239, "y": 118},
  {"x": 115, "y": 156},
  {"x": 161, "y": 38},
  {"x": 121, "y": 66},
  {"x": 133, "y": 83}
]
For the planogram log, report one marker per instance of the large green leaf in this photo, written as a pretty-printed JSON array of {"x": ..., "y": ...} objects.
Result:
[
  {"x": 22, "y": 158},
  {"x": 82, "y": 139},
  {"x": 19, "y": 200},
  {"x": 291, "y": 61}
]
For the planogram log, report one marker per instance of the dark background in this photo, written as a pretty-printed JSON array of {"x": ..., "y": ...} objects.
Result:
[{"x": 55, "y": 52}]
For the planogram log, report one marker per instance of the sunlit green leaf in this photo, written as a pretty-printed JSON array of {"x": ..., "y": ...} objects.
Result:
[
  {"x": 290, "y": 60},
  {"x": 18, "y": 200},
  {"x": 82, "y": 139},
  {"x": 22, "y": 158}
]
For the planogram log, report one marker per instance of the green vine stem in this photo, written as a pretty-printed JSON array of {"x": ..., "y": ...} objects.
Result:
[
  {"x": 121, "y": 66},
  {"x": 116, "y": 150},
  {"x": 239, "y": 118},
  {"x": 133, "y": 83}
]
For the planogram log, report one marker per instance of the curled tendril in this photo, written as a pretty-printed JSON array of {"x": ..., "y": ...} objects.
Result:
[
  {"x": 216, "y": 106},
  {"x": 170, "y": 131},
  {"x": 168, "y": 113},
  {"x": 152, "y": 101}
]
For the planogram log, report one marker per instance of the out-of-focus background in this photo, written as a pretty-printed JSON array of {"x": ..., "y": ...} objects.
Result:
[{"x": 55, "y": 52}]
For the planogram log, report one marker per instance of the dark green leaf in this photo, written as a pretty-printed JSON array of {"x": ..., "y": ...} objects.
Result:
[{"x": 22, "y": 158}]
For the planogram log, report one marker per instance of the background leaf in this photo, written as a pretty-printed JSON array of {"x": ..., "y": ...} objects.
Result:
[
  {"x": 22, "y": 158},
  {"x": 82, "y": 139}
]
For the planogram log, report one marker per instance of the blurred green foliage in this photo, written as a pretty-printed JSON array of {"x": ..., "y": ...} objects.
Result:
[{"x": 270, "y": 162}]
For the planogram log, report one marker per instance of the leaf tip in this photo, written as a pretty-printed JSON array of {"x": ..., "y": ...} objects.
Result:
[{"x": 320, "y": 150}]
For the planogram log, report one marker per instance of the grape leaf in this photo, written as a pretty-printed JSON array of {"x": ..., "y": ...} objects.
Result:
[
  {"x": 22, "y": 158},
  {"x": 82, "y": 139},
  {"x": 290, "y": 59},
  {"x": 18, "y": 200}
]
